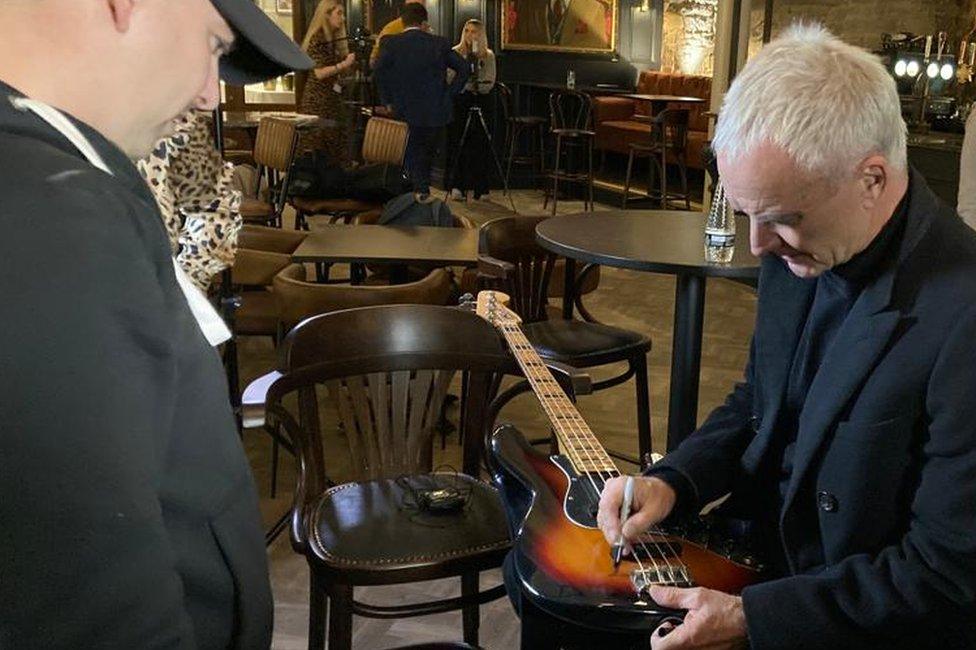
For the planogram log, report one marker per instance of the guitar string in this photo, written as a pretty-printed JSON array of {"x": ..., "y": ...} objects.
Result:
[{"x": 593, "y": 451}]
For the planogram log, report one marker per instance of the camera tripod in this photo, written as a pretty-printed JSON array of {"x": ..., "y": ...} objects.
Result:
[{"x": 476, "y": 112}]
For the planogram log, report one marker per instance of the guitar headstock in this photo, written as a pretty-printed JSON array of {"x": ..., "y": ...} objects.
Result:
[{"x": 493, "y": 307}]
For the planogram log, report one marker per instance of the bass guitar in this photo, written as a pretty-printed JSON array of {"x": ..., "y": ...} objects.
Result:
[{"x": 560, "y": 555}]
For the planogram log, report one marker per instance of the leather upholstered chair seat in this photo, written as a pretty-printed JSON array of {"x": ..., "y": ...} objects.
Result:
[
  {"x": 584, "y": 345},
  {"x": 399, "y": 536},
  {"x": 330, "y": 206},
  {"x": 254, "y": 210}
]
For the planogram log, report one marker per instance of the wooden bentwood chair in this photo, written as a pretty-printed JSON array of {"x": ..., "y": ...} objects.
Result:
[
  {"x": 510, "y": 260},
  {"x": 387, "y": 370}
]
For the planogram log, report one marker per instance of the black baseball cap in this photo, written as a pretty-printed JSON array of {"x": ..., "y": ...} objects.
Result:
[{"x": 261, "y": 50}]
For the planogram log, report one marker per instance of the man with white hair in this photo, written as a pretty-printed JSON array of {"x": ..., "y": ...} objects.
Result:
[
  {"x": 128, "y": 514},
  {"x": 851, "y": 444}
]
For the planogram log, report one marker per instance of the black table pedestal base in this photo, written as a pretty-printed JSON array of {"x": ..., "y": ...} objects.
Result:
[{"x": 689, "y": 315}]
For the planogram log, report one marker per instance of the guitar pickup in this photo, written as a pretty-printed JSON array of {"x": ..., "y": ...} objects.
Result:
[{"x": 661, "y": 575}]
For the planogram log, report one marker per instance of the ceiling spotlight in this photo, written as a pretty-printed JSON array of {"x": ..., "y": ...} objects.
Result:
[
  {"x": 901, "y": 67},
  {"x": 947, "y": 72},
  {"x": 912, "y": 69},
  {"x": 933, "y": 70}
]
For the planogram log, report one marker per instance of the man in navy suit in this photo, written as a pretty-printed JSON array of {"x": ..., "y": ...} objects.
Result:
[
  {"x": 412, "y": 75},
  {"x": 851, "y": 444}
]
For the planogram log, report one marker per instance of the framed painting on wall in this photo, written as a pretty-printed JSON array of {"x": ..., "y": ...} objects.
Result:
[
  {"x": 283, "y": 6},
  {"x": 560, "y": 25}
]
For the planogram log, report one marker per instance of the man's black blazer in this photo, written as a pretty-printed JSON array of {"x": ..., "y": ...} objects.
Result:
[
  {"x": 885, "y": 457},
  {"x": 128, "y": 514},
  {"x": 412, "y": 75}
]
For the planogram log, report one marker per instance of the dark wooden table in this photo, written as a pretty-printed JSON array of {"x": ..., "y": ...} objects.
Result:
[
  {"x": 371, "y": 244},
  {"x": 658, "y": 241},
  {"x": 660, "y": 102}
]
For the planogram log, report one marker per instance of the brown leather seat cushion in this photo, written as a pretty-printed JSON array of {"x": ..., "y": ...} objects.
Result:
[
  {"x": 583, "y": 344},
  {"x": 255, "y": 209},
  {"x": 329, "y": 206},
  {"x": 257, "y": 315},
  {"x": 373, "y": 525}
]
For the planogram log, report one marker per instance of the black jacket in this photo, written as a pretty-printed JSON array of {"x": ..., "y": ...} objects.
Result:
[
  {"x": 412, "y": 75},
  {"x": 885, "y": 457},
  {"x": 128, "y": 514}
]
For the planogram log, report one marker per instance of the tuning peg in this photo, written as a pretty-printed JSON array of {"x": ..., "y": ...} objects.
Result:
[{"x": 466, "y": 301}]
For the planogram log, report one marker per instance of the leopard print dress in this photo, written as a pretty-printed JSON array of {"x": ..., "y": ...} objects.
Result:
[
  {"x": 320, "y": 98},
  {"x": 192, "y": 185}
]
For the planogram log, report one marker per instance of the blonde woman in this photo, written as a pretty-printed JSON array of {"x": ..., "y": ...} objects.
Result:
[
  {"x": 472, "y": 171},
  {"x": 326, "y": 44}
]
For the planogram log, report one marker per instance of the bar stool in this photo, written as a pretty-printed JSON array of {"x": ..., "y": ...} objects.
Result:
[
  {"x": 669, "y": 134},
  {"x": 570, "y": 112},
  {"x": 517, "y": 127}
]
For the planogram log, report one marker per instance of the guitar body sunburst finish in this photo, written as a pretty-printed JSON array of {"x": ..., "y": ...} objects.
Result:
[{"x": 563, "y": 559}]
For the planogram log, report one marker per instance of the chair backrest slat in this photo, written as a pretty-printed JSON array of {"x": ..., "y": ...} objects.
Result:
[
  {"x": 378, "y": 400},
  {"x": 420, "y": 387},
  {"x": 365, "y": 428},
  {"x": 400, "y": 399},
  {"x": 340, "y": 397}
]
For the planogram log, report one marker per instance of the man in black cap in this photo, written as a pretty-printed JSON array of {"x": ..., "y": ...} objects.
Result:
[{"x": 129, "y": 514}]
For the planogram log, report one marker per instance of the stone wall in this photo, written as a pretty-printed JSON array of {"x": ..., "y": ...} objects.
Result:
[
  {"x": 689, "y": 25},
  {"x": 862, "y": 22},
  {"x": 689, "y": 36}
]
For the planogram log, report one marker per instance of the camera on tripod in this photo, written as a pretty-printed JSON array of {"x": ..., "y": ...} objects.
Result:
[{"x": 360, "y": 42}]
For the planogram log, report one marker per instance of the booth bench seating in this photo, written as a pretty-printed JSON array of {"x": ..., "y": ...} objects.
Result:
[{"x": 618, "y": 121}]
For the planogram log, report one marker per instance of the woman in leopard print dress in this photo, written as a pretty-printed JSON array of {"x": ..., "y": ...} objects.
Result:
[
  {"x": 325, "y": 43},
  {"x": 200, "y": 210}
]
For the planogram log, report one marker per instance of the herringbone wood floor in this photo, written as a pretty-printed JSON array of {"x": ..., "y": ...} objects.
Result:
[{"x": 638, "y": 301}]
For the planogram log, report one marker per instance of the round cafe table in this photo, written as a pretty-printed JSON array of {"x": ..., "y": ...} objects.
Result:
[{"x": 658, "y": 241}]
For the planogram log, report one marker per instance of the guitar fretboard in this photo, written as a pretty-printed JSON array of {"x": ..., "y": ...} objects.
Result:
[{"x": 574, "y": 435}]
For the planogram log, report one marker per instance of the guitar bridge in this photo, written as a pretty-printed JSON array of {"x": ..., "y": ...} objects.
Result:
[{"x": 661, "y": 575}]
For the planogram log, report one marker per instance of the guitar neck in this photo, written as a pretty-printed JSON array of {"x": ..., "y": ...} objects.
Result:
[{"x": 575, "y": 437}]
